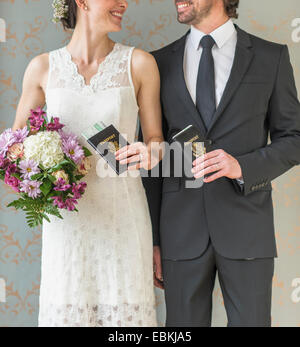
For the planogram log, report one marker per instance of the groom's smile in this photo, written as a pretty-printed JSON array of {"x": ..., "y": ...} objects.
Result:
[
  {"x": 183, "y": 7},
  {"x": 192, "y": 12}
]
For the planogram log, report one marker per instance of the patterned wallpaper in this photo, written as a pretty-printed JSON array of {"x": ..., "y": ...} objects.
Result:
[{"x": 25, "y": 31}]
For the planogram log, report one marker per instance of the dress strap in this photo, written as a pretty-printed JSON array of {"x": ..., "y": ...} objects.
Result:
[
  {"x": 129, "y": 69},
  {"x": 55, "y": 66},
  {"x": 131, "y": 49},
  {"x": 51, "y": 58}
]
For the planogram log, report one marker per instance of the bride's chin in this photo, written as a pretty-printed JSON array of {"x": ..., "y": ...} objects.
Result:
[{"x": 116, "y": 27}]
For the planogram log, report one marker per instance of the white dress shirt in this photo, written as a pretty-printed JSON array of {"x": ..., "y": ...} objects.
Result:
[{"x": 223, "y": 53}]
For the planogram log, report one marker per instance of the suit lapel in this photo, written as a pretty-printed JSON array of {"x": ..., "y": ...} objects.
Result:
[
  {"x": 242, "y": 60},
  {"x": 179, "y": 83}
]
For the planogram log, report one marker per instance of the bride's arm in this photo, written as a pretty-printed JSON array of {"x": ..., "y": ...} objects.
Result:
[
  {"x": 33, "y": 95},
  {"x": 146, "y": 81}
]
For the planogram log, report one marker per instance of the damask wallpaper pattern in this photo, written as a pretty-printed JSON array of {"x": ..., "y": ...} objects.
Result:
[{"x": 26, "y": 30}]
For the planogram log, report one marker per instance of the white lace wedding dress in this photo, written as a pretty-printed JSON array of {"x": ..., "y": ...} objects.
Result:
[{"x": 97, "y": 265}]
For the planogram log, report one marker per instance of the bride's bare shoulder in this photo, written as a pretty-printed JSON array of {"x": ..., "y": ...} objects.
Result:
[
  {"x": 37, "y": 70},
  {"x": 40, "y": 63},
  {"x": 142, "y": 58},
  {"x": 143, "y": 65}
]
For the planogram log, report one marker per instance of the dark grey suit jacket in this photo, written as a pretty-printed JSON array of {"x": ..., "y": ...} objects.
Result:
[{"x": 260, "y": 99}]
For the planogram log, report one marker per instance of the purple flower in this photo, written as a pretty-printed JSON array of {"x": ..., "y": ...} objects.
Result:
[
  {"x": 55, "y": 126},
  {"x": 71, "y": 146},
  {"x": 73, "y": 150},
  {"x": 10, "y": 180},
  {"x": 79, "y": 189},
  {"x": 32, "y": 188},
  {"x": 28, "y": 168},
  {"x": 70, "y": 204},
  {"x": 4, "y": 162},
  {"x": 6, "y": 140},
  {"x": 65, "y": 137},
  {"x": 61, "y": 185},
  {"x": 12, "y": 168},
  {"x": 13, "y": 182},
  {"x": 36, "y": 119},
  {"x": 38, "y": 112},
  {"x": 20, "y": 135},
  {"x": 58, "y": 201}
]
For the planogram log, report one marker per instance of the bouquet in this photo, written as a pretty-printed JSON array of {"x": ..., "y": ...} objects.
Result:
[{"x": 44, "y": 165}]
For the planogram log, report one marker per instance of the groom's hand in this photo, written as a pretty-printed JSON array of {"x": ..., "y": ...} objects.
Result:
[
  {"x": 157, "y": 268},
  {"x": 219, "y": 162}
]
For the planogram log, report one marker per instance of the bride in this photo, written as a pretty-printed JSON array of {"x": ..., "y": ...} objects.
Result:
[{"x": 97, "y": 265}]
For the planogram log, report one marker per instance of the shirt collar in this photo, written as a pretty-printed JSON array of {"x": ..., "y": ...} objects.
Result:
[{"x": 221, "y": 35}]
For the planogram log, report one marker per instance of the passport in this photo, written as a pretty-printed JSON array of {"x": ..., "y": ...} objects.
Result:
[
  {"x": 106, "y": 140},
  {"x": 193, "y": 144}
]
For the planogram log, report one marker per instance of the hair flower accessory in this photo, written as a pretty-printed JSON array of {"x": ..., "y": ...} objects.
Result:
[{"x": 60, "y": 10}]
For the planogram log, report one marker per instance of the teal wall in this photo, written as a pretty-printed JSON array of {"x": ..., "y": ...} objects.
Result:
[{"x": 149, "y": 24}]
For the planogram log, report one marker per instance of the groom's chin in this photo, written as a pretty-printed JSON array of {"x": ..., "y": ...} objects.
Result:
[{"x": 185, "y": 18}]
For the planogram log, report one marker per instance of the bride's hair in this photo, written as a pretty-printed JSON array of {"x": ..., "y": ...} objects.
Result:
[{"x": 69, "y": 21}]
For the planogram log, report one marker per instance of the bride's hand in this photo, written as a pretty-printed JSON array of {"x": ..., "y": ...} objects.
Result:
[
  {"x": 138, "y": 153},
  {"x": 157, "y": 268}
]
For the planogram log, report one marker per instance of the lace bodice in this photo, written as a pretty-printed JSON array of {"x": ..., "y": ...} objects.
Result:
[{"x": 113, "y": 72}]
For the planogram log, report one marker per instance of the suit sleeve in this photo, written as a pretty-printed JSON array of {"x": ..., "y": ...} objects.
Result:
[{"x": 262, "y": 166}]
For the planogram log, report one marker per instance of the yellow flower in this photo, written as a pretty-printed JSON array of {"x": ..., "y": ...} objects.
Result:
[
  {"x": 61, "y": 174},
  {"x": 84, "y": 167},
  {"x": 15, "y": 151}
]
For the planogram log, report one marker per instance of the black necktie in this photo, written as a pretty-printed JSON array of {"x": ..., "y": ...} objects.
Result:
[{"x": 205, "y": 92}]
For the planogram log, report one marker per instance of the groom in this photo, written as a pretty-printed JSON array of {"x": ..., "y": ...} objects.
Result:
[{"x": 236, "y": 89}]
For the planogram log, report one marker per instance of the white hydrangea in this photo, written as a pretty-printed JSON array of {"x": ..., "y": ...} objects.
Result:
[{"x": 44, "y": 148}]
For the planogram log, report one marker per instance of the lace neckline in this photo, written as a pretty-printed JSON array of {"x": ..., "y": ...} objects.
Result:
[{"x": 80, "y": 78}]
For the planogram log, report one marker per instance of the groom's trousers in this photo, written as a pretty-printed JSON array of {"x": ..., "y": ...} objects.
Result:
[{"x": 246, "y": 287}]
